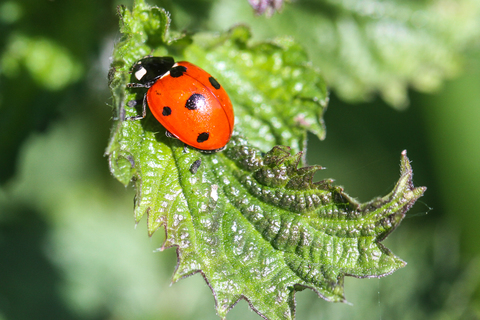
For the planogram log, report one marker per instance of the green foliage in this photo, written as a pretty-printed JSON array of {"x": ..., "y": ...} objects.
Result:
[
  {"x": 261, "y": 78},
  {"x": 41, "y": 58},
  {"x": 369, "y": 47},
  {"x": 68, "y": 247},
  {"x": 254, "y": 224},
  {"x": 46, "y": 67}
]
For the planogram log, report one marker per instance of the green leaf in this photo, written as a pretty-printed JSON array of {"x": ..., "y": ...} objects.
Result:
[
  {"x": 253, "y": 224},
  {"x": 369, "y": 47},
  {"x": 276, "y": 92},
  {"x": 260, "y": 78},
  {"x": 390, "y": 46}
]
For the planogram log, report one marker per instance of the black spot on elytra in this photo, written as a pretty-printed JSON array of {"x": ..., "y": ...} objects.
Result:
[
  {"x": 202, "y": 137},
  {"x": 214, "y": 83},
  {"x": 196, "y": 101},
  {"x": 178, "y": 71},
  {"x": 166, "y": 111}
]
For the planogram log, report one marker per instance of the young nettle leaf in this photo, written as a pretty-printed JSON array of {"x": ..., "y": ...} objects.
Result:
[{"x": 252, "y": 223}]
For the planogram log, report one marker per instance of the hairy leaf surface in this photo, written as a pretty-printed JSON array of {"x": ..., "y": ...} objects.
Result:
[{"x": 252, "y": 223}]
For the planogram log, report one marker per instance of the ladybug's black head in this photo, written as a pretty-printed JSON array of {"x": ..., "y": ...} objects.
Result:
[{"x": 150, "y": 69}]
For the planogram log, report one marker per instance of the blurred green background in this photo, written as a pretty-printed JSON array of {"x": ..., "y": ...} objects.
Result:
[{"x": 69, "y": 248}]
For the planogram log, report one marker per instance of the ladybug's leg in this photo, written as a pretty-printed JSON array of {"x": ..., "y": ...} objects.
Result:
[
  {"x": 168, "y": 134},
  {"x": 144, "y": 107},
  {"x": 141, "y": 85},
  {"x": 138, "y": 85}
]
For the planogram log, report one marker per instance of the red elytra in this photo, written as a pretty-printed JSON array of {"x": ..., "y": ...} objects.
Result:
[{"x": 187, "y": 101}]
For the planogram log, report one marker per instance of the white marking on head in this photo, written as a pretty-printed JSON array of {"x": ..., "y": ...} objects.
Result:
[{"x": 140, "y": 73}]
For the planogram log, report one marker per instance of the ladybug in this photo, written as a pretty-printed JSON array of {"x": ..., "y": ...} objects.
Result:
[{"x": 186, "y": 100}]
